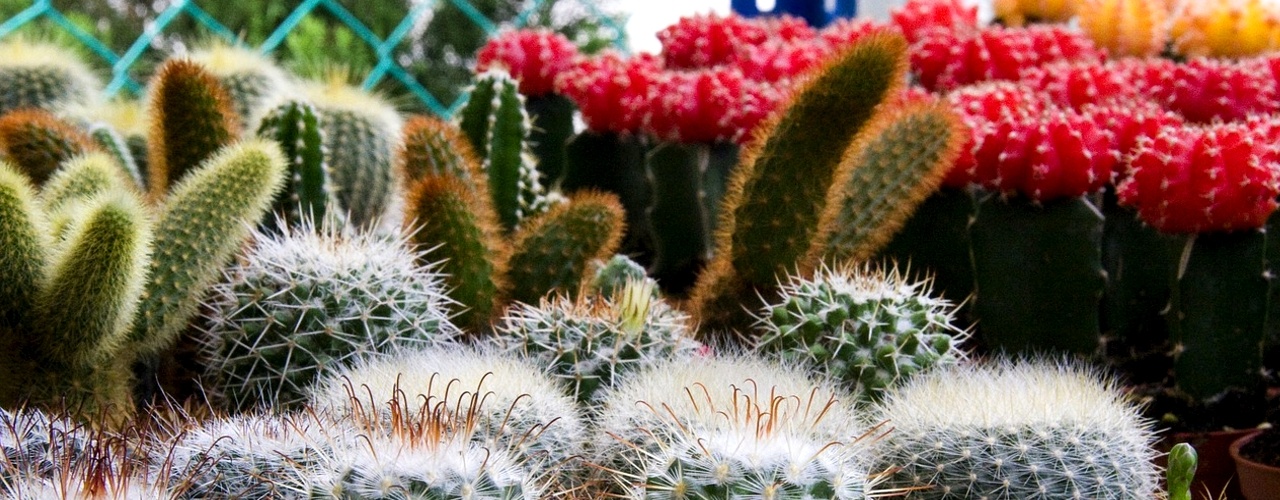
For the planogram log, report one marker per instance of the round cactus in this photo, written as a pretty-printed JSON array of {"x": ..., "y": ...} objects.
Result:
[
  {"x": 1073, "y": 85},
  {"x": 776, "y": 61},
  {"x": 252, "y": 80},
  {"x": 1031, "y": 430},
  {"x": 610, "y": 91},
  {"x": 1020, "y": 12},
  {"x": 612, "y": 276},
  {"x": 593, "y": 342},
  {"x": 533, "y": 56},
  {"x": 1125, "y": 27},
  {"x": 44, "y": 76},
  {"x": 707, "y": 106},
  {"x": 731, "y": 428},
  {"x": 917, "y": 17},
  {"x": 1051, "y": 155},
  {"x": 361, "y": 136},
  {"x": 310, "y": 300},
  {"x": 34, "y": 445},
  {"x": 703, "y": 41},
  {"x": 945, "y": 59},
  {"x": 870, "y": 328},
  {"x": 1238, "y": 28},
  {"x": 845, "y": 32},
  {"x": 1129, "y": 120},
  {"x": 1205, "y": 90}
]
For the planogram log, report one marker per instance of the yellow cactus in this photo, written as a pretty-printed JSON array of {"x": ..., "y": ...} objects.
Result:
[
  {"x": 1020, "y": 12},
  {"x": 1229, "y": 28},
  {"x": 1125, "y": 27}
]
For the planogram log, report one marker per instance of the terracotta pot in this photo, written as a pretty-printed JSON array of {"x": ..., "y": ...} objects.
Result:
[
  {"x": 1257, "y": 481},
  {"x": 1216, "y": 471}
]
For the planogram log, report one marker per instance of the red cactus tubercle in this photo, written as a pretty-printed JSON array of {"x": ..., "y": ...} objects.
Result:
[
  {"x": 532, "y": 56},
  {"x": 1074, "y": 85},
  {"x": 918, "y": 17},
  {"x": 1205, "y": 90},
  {"x": 945, "y": 59},
  {"x": 707, "y": 106},
  {"x": 611, "y": 92},
  {"x": 1045, "y": 156},
  {"x": 704, "y": 41}
]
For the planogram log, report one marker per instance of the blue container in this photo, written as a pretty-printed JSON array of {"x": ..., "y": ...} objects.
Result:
[{"x": 818, "y": 13}]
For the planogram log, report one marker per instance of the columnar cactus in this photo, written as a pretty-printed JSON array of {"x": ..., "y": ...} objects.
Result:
[
  {"x": 114, "y": 144},
  {"x": 44, "y": 76},
  {"x": 1035, "y": 430},
  {"x": 38, "y": 142},
  {"x": 594, "y": 342},
  {"x": 250, "y": 78},
  {"x": 191, "y": 116},
  {"x": 310, "y": 300},
  {"x": 870, "y": 328},
  {"x": 361, "y": 134},
  {"x": 724, "y": 428},
  {"x": 432, "y": 146},
  {"x": 309, "y": 192}
]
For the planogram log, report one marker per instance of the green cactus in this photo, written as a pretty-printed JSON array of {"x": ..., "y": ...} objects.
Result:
[
  {"x": 552, "y": 116},
  {"x": 458, "y": 229},
  {"x": 204, "y": 220},
  {"x": 495, "y": 122},
  {"x": 434, "y": 147},
  {"x": 614, "y": 163},
  {"x": 1137, "y": 259},
  {"x": 680, "y": 223},
  {"x": 95, "y": 281},
  {"x": 612, "y": 276},
  {"x": 898, "y": 160},
  {"x": 308, "y": 301},
  {"x": 731, "y": 427},
  {"x": 108, "y": 140},
  {"x": 935, "y": 240},
  {"x": 80, "y": 179},
  {"x": 251, "y": 79},
  {"x": 776, "y": 195},
  {"x": 43, "y": 76},
  {"x": 191, "y": 117},
  {"x": 23, "y": 252},
  {"x": 361, "y": 134},
  {"x": 595, "y": 342},
  {"x": 308, "y": 189},
  {"x": 1181, "y": 471},
  {"x": 552, "y": 251},
  {"x": 1033, "y": 261},
  {"x": 1035, "y": 430},
  {"x": 868, "y": 328},
  {"x": 38, "y": 142}
]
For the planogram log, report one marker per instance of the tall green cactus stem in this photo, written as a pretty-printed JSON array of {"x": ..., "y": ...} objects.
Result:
[
  {"x": 552, "y": 116},
  {"x": 23, "y": 247},
  {"x": 44, "y": 76},
  {"x": 203, "y": 222},
  {"x": 458, "y": 229},
  {"x": 80, "y": 179},
  {"x": 435, "y": 147},
  {"x": 361, "y": 134},
  {"x": 38, "y": 142},
  {"x": 192, "y": 116},
  {"x": 1137, "y": 259},
  {"x": 776, "y": 196},
  {"x": 935, "y": 240},
  {"x": 681, "y": 226},
  {"x": 308, "y": 188},
  {"x": 553, "y": 251},
  {"x": 1036, "y": 261},
  {"x": 95, "y": 282},
  {"x": 252, "y": 79},
  {"x": 115, "y": 145},
  {"x": 495, "y": 121},
  {"x": 1218, "y": 309},
  {"x": 1181, "y": 471},
  {"x": 898, "y": 160},
  {"x": 614, "y": 163}
]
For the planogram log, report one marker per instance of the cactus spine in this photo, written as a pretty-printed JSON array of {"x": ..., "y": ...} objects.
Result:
[
  {"x": 552, "y": 251},
  {"x": 38, "y": 142},
  {"x": 360, "y": 133},
  {"x": 192, "y": 116},
  {"x": 23, "y": 244},
  {"x": 495, "y": 122},
  {"x": 204, "y": 220},
  {"x": 113, "y": 144},
  {"x": 434, "y": 147},
  {"x": 43, "y": 76},
  {"x": 308, "y": 188},
  {"x": 80, "y": 179}
]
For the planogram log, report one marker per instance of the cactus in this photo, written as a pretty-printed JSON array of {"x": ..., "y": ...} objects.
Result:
[
  {"x": 1125, "y": 27},
  {"x": 203, "y": 222},
  {"x": 43, "y": 76},
  {"x": 1016, "y": 430},
  {"x": 1226, "y": 30},
  {"x": 251, "y": 79},
  {"x": 495, "y": 122},
  {"x": 1020, "y": 12},
  {"x": 23, "y": 251},
  {"x": 949, "y": 59},
  {"x": 614, "y": 163},
  {"x": 899, "y": 159},
  {"x": 866, "y": 327},
  {"x": 612, "y": 276},
  {"x": 251, "y": 456},
  {"x": 594, "y": 342},
  {"x": 38, "y": 142},
  {"x": 191, "y": 117},
  {"x": 704, "y": 41},
  {"x": 308, "y": 191},
  {"x": 729, "y": 428},
  {"x": 766, "y": 226},
  {"x": 361, "y": 136},
  {"x": 310, "y": 300},
  {"x": 108, "y": 140},
  {"x": 917, "y": 17},
  {"x": 434, "y": 147},
  {"x": 33, "y": 446},
  {"x": 1181, "y": 470},
  {"x": 552, "y": 251},
  {"x": 80, "y": 179},
  {"x": 458, "y": 229}
]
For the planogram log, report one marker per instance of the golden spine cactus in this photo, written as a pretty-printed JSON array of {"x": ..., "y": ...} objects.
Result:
[
  {"x": 1021, "y": 12},
  {"x": 435, "y": 147},
  {"x": 37, "y": 142},
  {"x": 192, "y": 115},
  {"x": 553, "y": 251},
  {"x": 1125, "y": 27},
  {"x": 1232, "y": 28}
]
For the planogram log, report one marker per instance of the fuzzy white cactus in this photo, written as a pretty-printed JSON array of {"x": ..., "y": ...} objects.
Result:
[
  {"x": 43, "y": 75},
  {"x": 1027, "y": 430}
]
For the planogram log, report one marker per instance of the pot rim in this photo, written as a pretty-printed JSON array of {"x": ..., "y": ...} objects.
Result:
[{"x": 1234, "y": 450}]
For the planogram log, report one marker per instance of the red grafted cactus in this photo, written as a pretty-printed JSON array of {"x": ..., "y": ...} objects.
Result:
[
  {"x": 983, "y": 109},
  {"x": 1074, "y": 85},
  {"x": 787, "y": 28},
  {"x": 1205, "y": 90},
  {"x": 610, "y": 91},
  {"x": 774, "y": 61},
  {"x": 532, "y": 56},
  {"x": 1046, "y": 156},
  {"x": 1127, "y": 121},
  {"x": 704, "y": 41},
  {"x": 918, "y": 17},
  {"x": 708, "y": 106},
  {"x": 845, "y": 32},
  {"x": 945, "y": 60},
  {"x": 1195, "y": 179}
]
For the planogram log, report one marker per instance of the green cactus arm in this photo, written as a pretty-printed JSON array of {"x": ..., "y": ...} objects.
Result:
[
  {"x": 1181, "y": 471},
  {"x": 108, "y": 140},
  {"x": 508, "y": 161},
  {"x": 191, "y": 118},
  {"x": 23, "y": 247},
  {"x": 434, "y": 147},
  {"x": 308, "y": 187},
  {"x": 461, "y": 232},
  {"x": 95, "y": 281},
  {"x": 203, "y": 222},
  {"x": 38, "y": 142},
  {"x": 898, "y": 160},
  {"x": 474, "y": 117},
  {"x": 554, "y": 250},
  {"x": 80, "y": 179}
]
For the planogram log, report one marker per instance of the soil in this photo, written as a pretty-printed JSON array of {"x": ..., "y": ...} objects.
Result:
[{"x": 1264, "y": 448}]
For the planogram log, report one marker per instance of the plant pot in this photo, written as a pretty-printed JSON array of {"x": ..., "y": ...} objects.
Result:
[
  {"x": 1216, "y": 471},
  {"x": 1257, "y": 480}
]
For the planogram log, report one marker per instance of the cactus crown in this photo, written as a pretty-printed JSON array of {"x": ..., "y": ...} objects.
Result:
[
  {"x": 45, "y": 76},
  {"x": 533, "y": 56}
]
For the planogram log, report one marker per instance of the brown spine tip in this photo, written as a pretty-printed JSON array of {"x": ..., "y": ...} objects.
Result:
[
  {"x": 37, "y": 142},
  {"x": 192, "y": 115}
]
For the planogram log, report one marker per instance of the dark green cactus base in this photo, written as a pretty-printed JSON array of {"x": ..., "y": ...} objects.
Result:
[
  {"x": 552, "y": 116},
  {"x": 935, "y": 242},
  {"x": 1271, "y": 350},
  {"x": 1038, "y": 274},
  {"x": 615, "y": 164},
  {"x": 1137, "y": 259},
  {"x": 688, "y": 183},
  {"x": 1218, "y": 313}
]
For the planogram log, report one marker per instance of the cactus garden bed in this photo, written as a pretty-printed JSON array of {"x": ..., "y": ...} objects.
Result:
[{"x": 923, "y": 259}]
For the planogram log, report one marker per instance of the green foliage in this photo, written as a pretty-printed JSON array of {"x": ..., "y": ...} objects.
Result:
[
  {"x": 552, "y": 251},
  {"x": 308, "y": 191}
]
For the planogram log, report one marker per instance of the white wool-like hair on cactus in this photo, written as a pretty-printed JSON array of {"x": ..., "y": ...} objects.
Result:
[{"x": 1017, "y": 429}]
